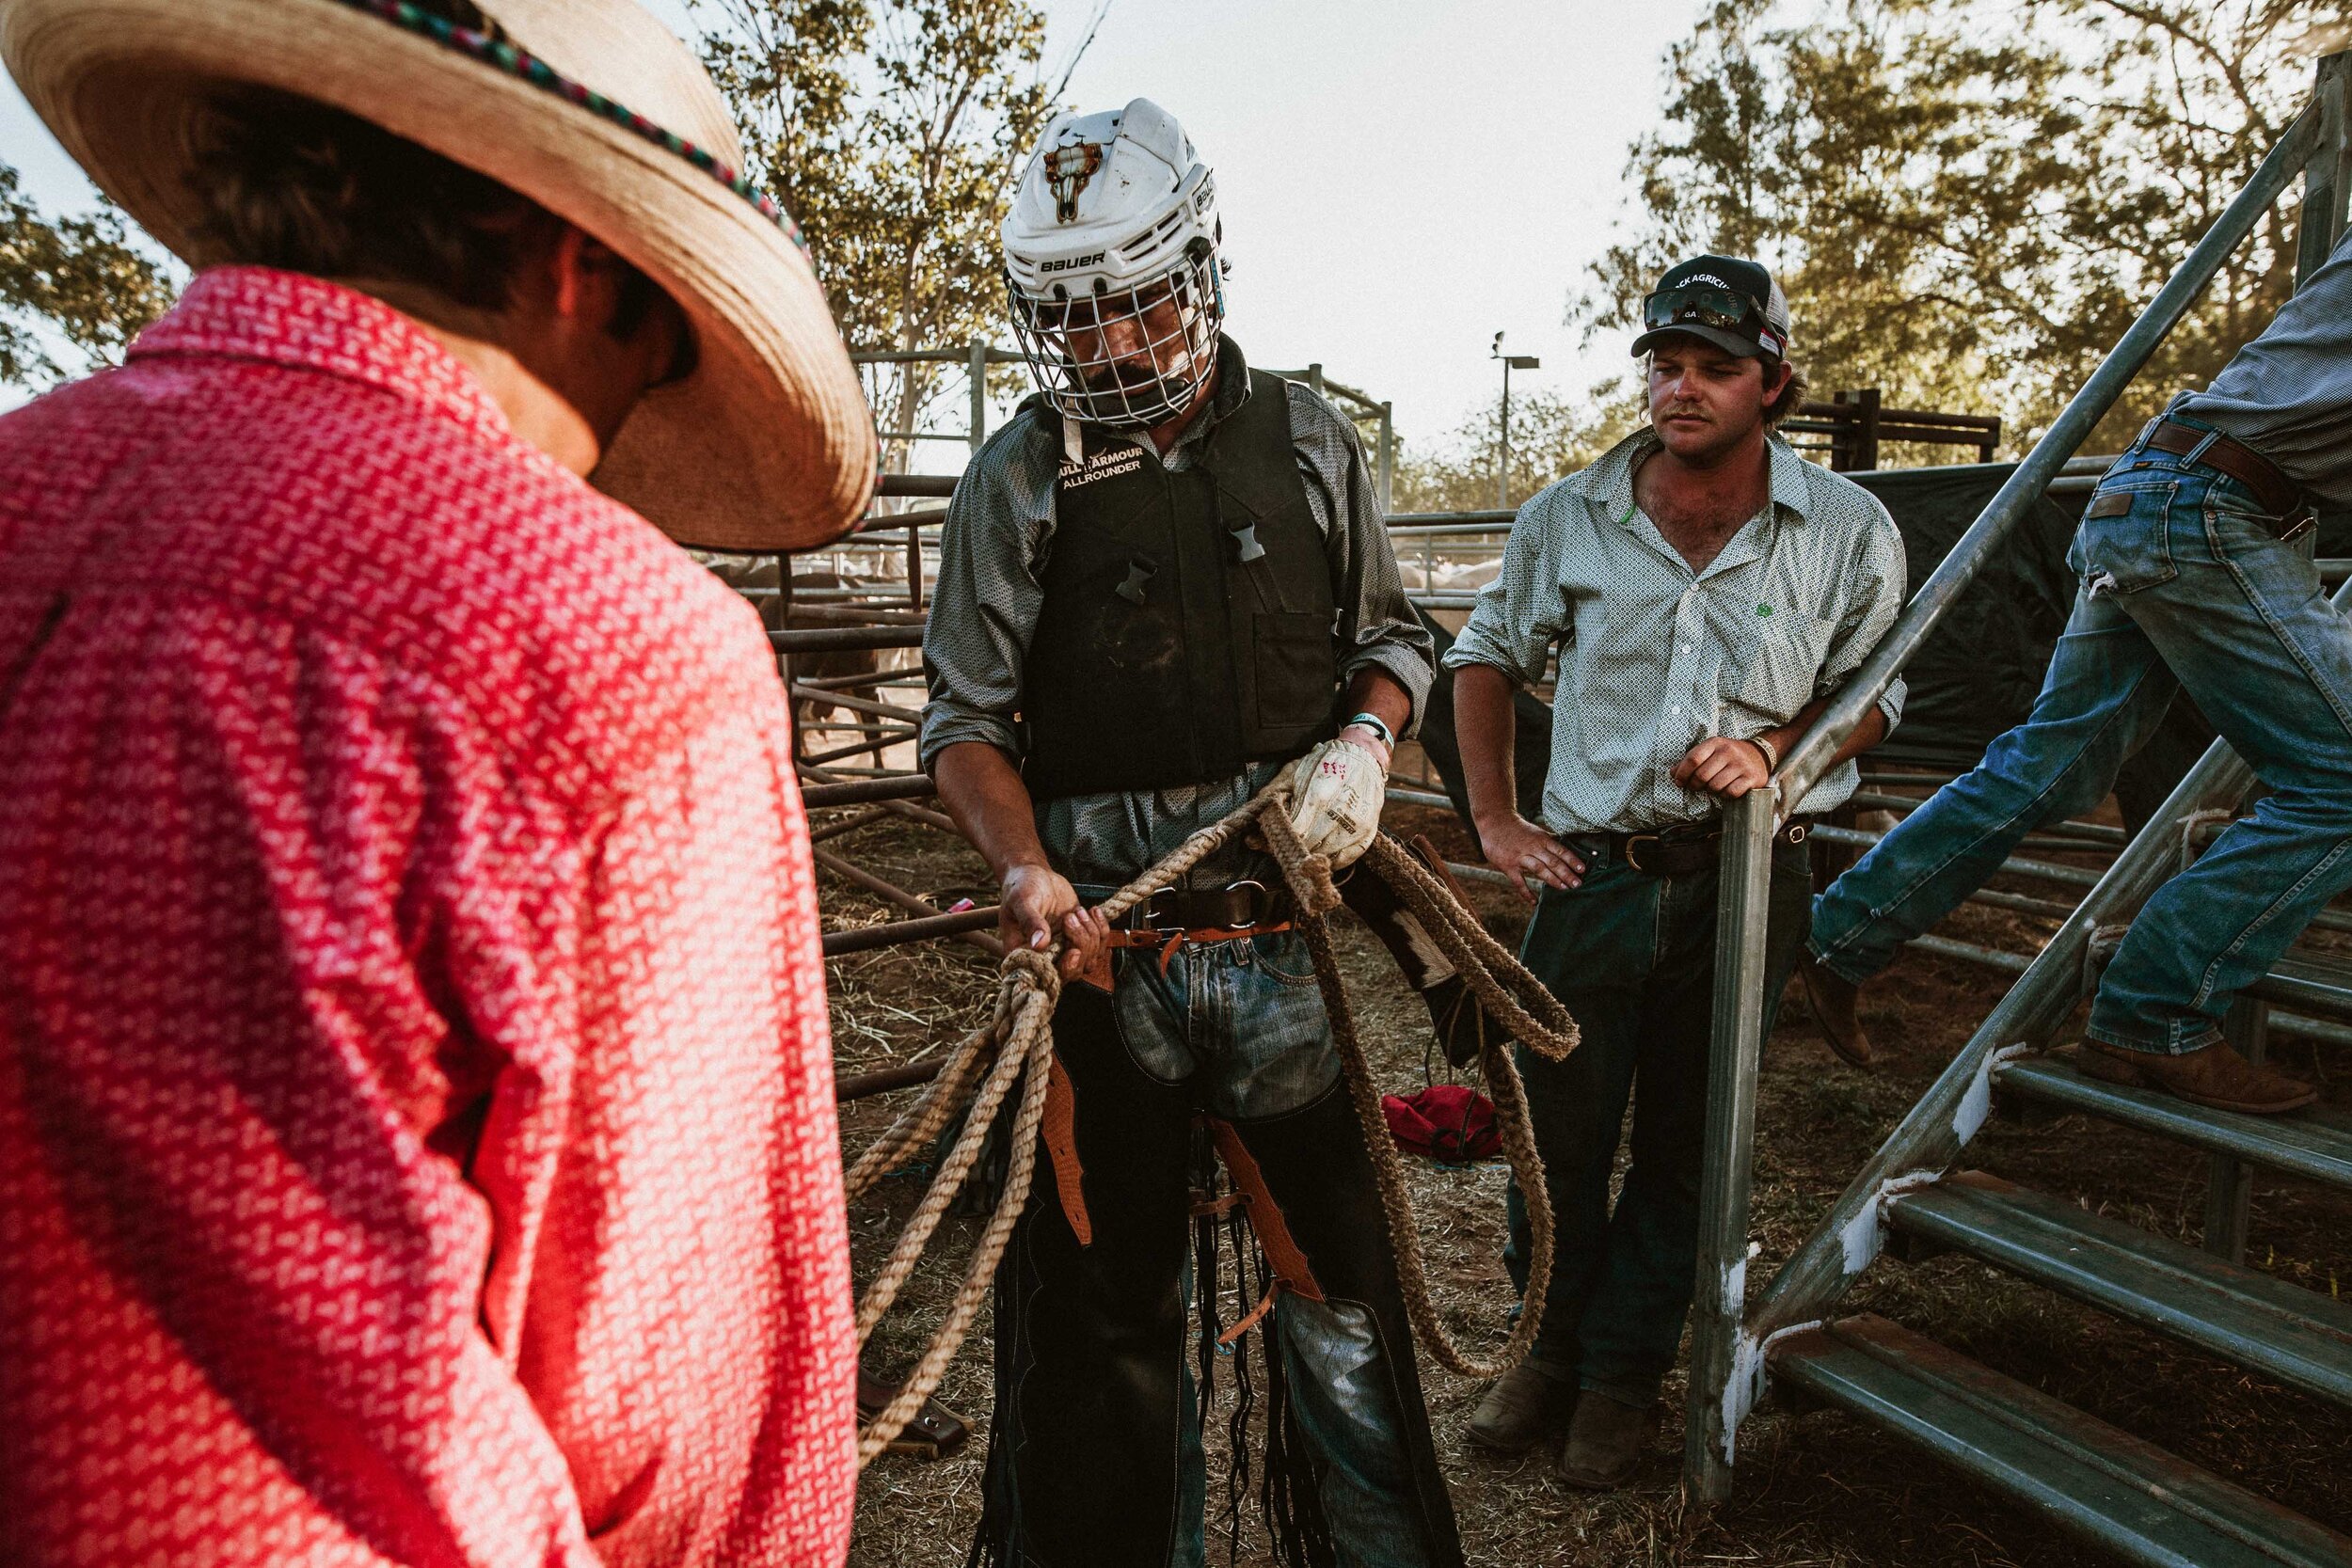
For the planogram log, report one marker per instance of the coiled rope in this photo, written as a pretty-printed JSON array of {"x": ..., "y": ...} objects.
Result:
[{"x": 1017, "y": 1042}]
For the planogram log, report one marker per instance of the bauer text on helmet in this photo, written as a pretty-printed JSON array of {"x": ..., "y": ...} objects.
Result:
[{"x": 1112, "y": 265}]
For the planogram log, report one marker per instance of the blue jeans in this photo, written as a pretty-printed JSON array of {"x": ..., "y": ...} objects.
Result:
[
  {"x": 1633, "y": 959},
  {"x": 2183, "y": 585}
]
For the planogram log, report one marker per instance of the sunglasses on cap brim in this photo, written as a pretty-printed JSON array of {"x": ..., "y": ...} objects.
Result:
[{"x": 1704, "y": 305}]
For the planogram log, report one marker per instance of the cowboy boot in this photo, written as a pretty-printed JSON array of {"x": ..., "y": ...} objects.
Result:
[
  {"x": 2216, "y": 1076},
  {"x": 1606, "y": 1440},
  {"x": 1833, "y": 997},
  {"x": 1521, "y": 1408}
]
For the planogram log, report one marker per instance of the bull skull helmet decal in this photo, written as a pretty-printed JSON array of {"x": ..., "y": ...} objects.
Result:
[{"x": 1069, "y": 168}]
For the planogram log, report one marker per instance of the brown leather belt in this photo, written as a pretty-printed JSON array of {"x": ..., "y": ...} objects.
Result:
[
  {"x": 2275, "y": 494},
  {"x": 1238, "y": 906},
  {"x": 1675, "y": 852},
  {"x": 1174, "y": 916}
]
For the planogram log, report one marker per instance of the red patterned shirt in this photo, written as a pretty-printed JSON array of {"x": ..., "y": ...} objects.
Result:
[{"x": 417, "y": 1138}]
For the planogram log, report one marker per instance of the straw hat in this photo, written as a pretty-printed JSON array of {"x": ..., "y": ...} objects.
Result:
[{"x": 608, "y": 121}]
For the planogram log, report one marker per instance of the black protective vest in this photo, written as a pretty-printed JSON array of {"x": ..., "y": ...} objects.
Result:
[{"x": 1188, "y": 626}]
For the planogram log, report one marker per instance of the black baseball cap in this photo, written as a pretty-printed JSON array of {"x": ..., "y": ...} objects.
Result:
[{"x": 1728, "y": 301}]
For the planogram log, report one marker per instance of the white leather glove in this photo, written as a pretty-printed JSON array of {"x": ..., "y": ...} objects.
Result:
[{"x": 1336, "y": 793}]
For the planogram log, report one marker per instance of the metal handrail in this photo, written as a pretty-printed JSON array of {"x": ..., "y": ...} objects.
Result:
[
  {"x": 1809, "y": 759},
  {"x": 1728, "y": 1345}
]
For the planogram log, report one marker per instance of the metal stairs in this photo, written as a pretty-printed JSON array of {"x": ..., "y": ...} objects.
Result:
[
  {"x": 2292, "y": 1335},
  {"x": 2114, "y": 1491},
  {"x": 2315, "y": 1143},
  {"x": 2106, "y": 1485}
]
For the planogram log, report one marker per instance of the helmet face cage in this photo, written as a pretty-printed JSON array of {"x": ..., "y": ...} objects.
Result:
[{"x": 1134, "y": 357}]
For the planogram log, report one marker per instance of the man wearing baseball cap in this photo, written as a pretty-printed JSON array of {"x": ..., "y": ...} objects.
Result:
[
  {"x": 1705, "y": 589},
  {"x": 416, "y": 1141}
]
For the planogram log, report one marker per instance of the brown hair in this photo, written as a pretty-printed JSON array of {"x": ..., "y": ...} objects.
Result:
[
  {"x": 1787, "y": 401},
  {"x": 291, "y": 183},
  {"x": 296, "y": 185}
]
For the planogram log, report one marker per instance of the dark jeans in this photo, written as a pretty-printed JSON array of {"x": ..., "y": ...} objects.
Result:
[{"x": 1633, "y": 959}]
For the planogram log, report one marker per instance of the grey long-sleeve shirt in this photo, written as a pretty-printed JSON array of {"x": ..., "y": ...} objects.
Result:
[{"x": 992, "y": 551}]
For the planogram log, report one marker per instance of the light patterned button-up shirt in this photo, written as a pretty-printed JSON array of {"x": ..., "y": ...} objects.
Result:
[{"x": 1655, "y": 657}]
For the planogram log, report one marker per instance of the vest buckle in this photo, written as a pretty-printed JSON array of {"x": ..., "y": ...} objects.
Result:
[{"x": 1139, "y": 572}]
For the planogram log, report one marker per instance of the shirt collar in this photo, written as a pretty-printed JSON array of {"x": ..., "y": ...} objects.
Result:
[
  {"x": 288, "y": 318},
  {"x": 1609, "y": 483}
]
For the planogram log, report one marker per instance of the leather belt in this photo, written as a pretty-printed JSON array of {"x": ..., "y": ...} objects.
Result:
[
  {"x": 2277, "y": 495},
  {"x": 1675, "y": 852},
  {"x": 1174, "y": 916},
  {"x": 1237, "y": 906}
]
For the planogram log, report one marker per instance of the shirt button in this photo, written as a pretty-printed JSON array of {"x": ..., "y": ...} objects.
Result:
[{"x": 1675, "y": 710}]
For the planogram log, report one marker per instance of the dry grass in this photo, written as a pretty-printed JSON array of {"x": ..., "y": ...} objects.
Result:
[{"x": 1814, "y": 1489}]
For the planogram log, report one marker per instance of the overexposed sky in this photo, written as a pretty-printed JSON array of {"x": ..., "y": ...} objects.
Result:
[{"x": 1400, "y": 180}]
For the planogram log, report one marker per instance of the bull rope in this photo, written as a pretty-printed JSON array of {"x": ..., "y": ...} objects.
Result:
[{"x": 1017, "y": 1042}]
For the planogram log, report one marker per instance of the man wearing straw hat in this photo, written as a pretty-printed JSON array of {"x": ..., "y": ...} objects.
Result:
[
  {"x": 1162, "y": 583},
  {"x": 415, "y": 1127}
]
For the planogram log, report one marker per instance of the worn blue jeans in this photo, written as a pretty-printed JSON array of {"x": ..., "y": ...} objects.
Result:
[
  {"x": 1243, "y": 1023},
  {"x": 2183, "y": 585}
]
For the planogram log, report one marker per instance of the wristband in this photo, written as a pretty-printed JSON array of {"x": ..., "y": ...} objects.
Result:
[
  {"x": 1377, "y": 726},
  {"x": 1772, "y": 756}
]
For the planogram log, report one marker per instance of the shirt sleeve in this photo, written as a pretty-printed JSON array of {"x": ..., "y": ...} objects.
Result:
[
  {"x": 1377, "y": 627},
  {"x": 1522, "y": 615},
  {"x": 1874, "y": 588},
  {"x": 985, "y": 606}
]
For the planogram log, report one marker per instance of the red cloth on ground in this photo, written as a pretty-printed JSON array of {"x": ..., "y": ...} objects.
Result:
[
  {"x": 417, "y": 1138},
  {"x": 1445, "y": 1122}
]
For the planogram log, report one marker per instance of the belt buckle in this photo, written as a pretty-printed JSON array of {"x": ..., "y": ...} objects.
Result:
[
  {"x": 1634, "y": 844},
  {"x": 1150, "y": 914},
  {"x": 1258, "y": 905}
]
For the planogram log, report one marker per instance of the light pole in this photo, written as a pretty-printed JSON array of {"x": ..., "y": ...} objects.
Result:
[{"x": 1510, "y": 362}]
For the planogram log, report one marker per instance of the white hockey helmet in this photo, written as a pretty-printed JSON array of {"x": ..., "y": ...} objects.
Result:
[{"x": 1111, "y": 261}]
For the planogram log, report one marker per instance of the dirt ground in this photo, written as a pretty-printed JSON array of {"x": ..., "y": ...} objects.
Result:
[{"x": 1815, "y": 1489}]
